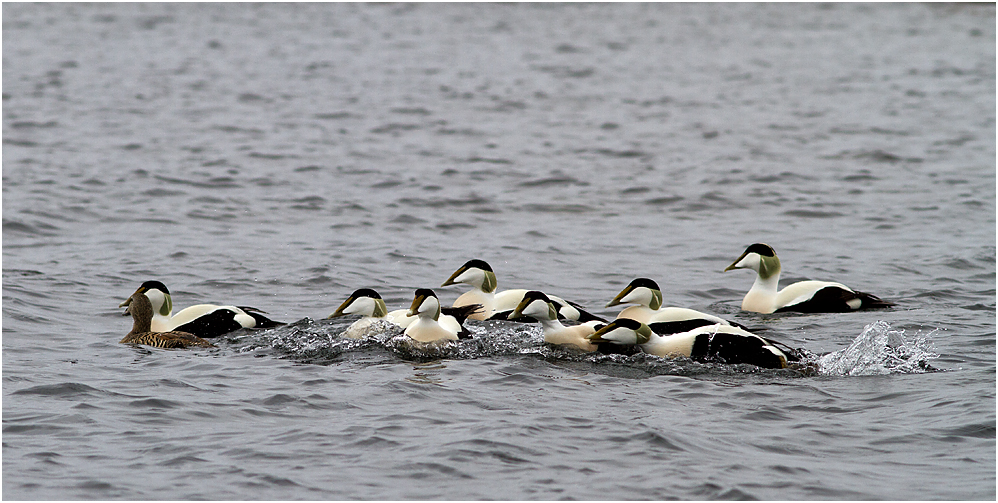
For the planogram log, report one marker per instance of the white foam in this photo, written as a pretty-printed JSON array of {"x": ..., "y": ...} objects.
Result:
[{"x": 880, "y": 350}]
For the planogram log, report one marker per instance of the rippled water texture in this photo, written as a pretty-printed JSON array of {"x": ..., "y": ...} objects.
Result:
[{"x": 283, "y": 155}]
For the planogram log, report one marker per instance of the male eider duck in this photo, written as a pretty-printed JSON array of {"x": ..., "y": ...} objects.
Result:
[
  {"x": 803, "y": 296},
  {"x": 428, "y": 324},
  {"x": 539, "y": 307},
  {"x": 648, "y": 297},
  {"x": 498, "y": 306},
  {"x": 369, "y": 304},
  {"x": 203, "y": 320},
  {"x": 141, "y": 310},
  {"x": 712, "y": 343}
]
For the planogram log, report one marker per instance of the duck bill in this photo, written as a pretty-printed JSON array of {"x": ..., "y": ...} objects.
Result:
[
  {"x": 414, "y": 308},
  {"x": 734, "y": 265},
  {"x": 450, "y": 281},
  {"x": 128, "y": 301},
  {"x": 596, "y": 337},
  {"x": 518, "y": 312},
  {"x": 617, "y": 300},
  {"x": 339, "y": 310}
]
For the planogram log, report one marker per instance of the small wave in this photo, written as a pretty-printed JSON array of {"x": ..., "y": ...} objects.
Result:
[
  {"x": 566, "y": 72},
  {"x": 19, "y": 227},
  {"x": 710, "y": 201},
  {"x": 556, "y": 208},
  {"x": 395, "y": 128},
  {"x": 662, "y": 201},
  {"x": 221, "y": 182},
  {"x": 784, "y": 177},
  {"x": 812, "y": 214},
  {"x": 487, "y": 160},
  {"x": 879, "y": 350},
  {"x": 61, "y": 390},
  {"x": 553, "y": 181},
  {"x": 469, "y": 200}
]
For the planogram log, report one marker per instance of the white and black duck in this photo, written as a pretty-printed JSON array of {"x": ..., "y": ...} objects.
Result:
[
  {"x": 711, "y": 343},
  {"x": 498, "y": 305},
  {"x": 802, "y": 296},
  {"x": 202, "y": 320},
  {"x": 647, "y": 297}
]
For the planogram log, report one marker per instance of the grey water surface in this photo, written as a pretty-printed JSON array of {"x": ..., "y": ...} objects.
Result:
[{"x": 283, "y": 155}]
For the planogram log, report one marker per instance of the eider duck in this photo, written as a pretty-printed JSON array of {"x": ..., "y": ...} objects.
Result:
[
  {"x": 803, "y": 296},
  {"x": 498, "y": 306},
  {"x": 539, "y": 307},
  {"x": 142, "y": 313},
  {"x": 428, "y": 324},
  {"x": 203, "y": 320},
  {"x": 712, "y": 343},
  {"x": 646, "y": 294},
  {"x": 369, "y": 304}
]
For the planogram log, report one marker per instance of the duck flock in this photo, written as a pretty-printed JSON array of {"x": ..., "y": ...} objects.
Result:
[{"x": 644, "y": 325}]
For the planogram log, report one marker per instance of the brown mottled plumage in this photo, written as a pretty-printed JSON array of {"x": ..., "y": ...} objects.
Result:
[{"x": 141, "y": 310}]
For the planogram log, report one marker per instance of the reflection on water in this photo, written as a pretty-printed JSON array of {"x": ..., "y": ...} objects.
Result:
[{"x": 423, "y": 373}]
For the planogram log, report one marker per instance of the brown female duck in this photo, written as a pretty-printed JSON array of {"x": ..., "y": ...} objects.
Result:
[{"x": 141, "y": 311}]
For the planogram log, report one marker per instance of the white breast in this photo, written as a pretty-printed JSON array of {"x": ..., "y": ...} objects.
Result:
[
  {"x": 507, "y": 300},
  {"x": 427, "y": 330},
  {"x": 476, "y": 296},
  {"x": 360, "y": 327},
  {"x": 637, "y": 313},
  {"x": 556, "y": 333},
  {"x": 400, "y": 317}
]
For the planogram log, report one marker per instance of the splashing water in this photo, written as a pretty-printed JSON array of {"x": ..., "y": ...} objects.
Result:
[{"x": 880, "y": 350}]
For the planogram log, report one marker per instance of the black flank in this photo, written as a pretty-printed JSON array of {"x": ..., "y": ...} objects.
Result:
[
  {"x": 261, "y": 320},
  {"x": 213, "y": 324},
  {"x": 733, "y": 349},
  {"x": 463, "y": 312}
]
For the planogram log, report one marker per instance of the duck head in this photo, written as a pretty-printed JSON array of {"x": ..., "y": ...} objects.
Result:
[
  {"x": 623, "y": 331},
  {"x": 364, "y": 301},
  {"x": 158, "y": 295},
  {"x": 640, "y": 291},
  {"x": 536, "y": 305},
  {"x": 476, "y": 273},
  {"x": 425, "y": 304},
  {"x": 759, "y": 257}
]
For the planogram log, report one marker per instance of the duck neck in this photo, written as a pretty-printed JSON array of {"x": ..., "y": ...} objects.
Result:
[
  {"x": 478, "y": 296},
  {"x": 429, "y": 316},
  {"x": 551, "y": 325},
  {"x": 141, "y": 326},
  {"x": 141, "y": 311},
  {"x": 768, "y": 284},
  {"x": 639, "y": 313},
  {"x": 761, "y": 297},
  {"x": 159, "y": 319}
]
